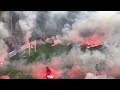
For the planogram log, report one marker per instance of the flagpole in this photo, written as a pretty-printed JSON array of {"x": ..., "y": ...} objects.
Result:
[
  {"x": 35, "y": 45},
  {"x": 29, "y": 46},
  {"x": 11, "y": 20},
  {"x": 29, "y": 49}
]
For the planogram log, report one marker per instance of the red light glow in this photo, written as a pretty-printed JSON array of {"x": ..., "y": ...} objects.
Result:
[
  {"x": 49, "y": 76},
  {"x": 93, "y": 41},
  {"x": 1, "y": 61}
]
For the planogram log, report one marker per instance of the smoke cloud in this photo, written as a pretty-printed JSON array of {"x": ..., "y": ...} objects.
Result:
[{"x": 77, "y": 27}]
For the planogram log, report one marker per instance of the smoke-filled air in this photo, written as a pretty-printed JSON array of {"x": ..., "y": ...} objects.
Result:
[{"x": 59, "y": 44}]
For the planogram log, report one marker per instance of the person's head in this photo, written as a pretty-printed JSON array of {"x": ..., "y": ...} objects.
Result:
[{"x": 47, "y": 67}]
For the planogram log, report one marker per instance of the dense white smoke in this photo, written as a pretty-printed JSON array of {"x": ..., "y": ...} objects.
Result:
[
  {"x": 3, "y": 47},
  {"x": 93, "y": 76},
  {"x": 72, "y": 26},
  {"x": 27, "y": 23},
  {"x": 106, "y": 25}
]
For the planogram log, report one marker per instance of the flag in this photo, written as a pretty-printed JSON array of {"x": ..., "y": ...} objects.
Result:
[
  {"x": 33, "y": 44},
  {"x": 28, "y": 45}
]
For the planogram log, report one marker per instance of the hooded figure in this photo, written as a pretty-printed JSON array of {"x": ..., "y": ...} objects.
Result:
[{"x": 48, "y": 73}]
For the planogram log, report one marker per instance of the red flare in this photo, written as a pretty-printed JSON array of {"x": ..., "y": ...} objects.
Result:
[
  {"x": 1, "y": 61},
  {"x": 93, "y": 41},
  {"x": 49, "y": 76},
  {"x": 48, "y": 73}
]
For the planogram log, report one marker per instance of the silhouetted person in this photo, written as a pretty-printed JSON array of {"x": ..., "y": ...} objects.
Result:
[
  {"x": 48, "y": 72},
  {"x": 97, "y": 69}
]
